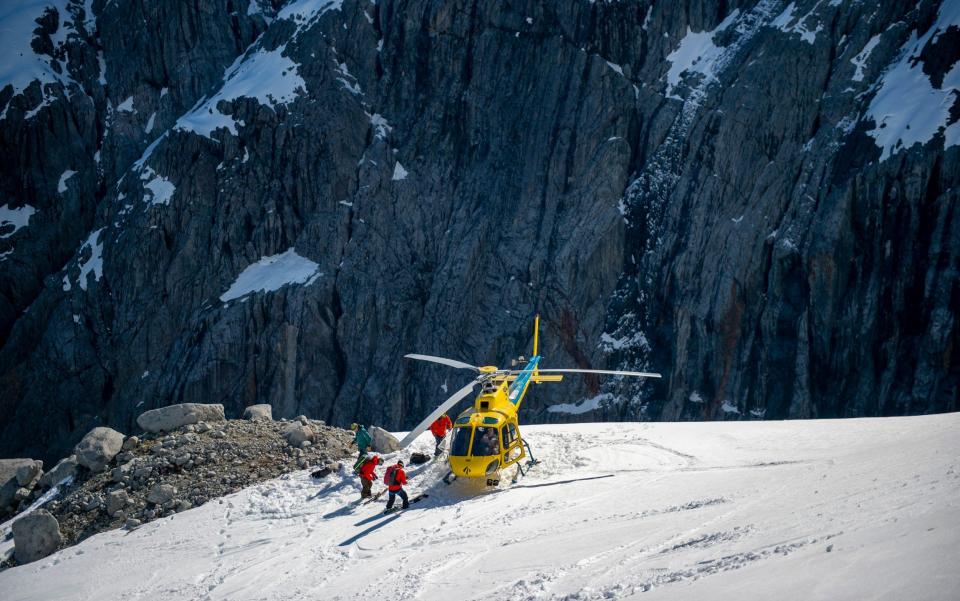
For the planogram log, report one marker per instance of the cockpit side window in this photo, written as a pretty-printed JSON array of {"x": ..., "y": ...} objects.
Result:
[
  {"x": 485, "y": 442},
  {"x": 508, "y": 434},
  {"x": 461, "y": 441}
]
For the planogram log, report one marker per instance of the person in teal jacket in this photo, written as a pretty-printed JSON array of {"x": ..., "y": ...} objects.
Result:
[{"x": 362, "y": 438}]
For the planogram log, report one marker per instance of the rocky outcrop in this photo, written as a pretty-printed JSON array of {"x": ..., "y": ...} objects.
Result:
[
  {"x": 167, "y": 419},
  {"x": 35, "y": 536},
  {"x": 29, "y": 474},
  {"x": 9, "y": 483},
  {"x": 165, "y": 474},
  {"x": 383, "y": 441},
  {"x": 98, "y": 448},
  {"x": 261, "y": 411},
  {"x": 712, "y": 190},
  {"x": 299, "y": 435}
]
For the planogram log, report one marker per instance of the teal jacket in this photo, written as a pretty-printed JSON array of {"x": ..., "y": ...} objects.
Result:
[{"x": 362, "y": 438}]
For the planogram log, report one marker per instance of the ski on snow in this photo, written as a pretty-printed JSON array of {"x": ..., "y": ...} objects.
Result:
[{"x": 413, "y": 500}]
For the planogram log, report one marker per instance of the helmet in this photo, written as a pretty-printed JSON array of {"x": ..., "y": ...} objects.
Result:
[
  {"x": 400, "y": 462},
  {"x": 354, "y": 426}
]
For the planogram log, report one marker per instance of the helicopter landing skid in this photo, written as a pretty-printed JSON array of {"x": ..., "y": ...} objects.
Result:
[
  {"x": 449, "y": 478},
  {"x": 532, "y": 462}
]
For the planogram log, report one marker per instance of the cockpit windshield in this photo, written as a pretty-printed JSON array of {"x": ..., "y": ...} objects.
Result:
[
  {"x": 485, "y": 442},
  {"x": 461, "y": 441}
]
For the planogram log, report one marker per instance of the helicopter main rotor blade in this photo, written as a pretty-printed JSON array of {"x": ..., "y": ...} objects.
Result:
[
  {"x": 637, "y": 374},
  {"x": 443, "y": 361},
  {"x": 447, "y": 404}
]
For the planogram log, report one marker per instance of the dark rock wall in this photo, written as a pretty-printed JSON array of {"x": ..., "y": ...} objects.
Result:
[{"x": 737, "y": 232}]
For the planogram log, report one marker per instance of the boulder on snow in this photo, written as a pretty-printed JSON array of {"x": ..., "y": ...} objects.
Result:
[
  {"x": 297, "y": 434},
  {"x": 65, "y": 468},
  {"x": 98, "y": 448},
  {"x": 383, "y": 441},
  {"x": 254, "y": 412},
  {"x": 162, "y": 493},
  {"x": 27, "y": 475},
  {"x": 35, "y": 536},
  {"x": 8, "y": 480},
  {"x": 167, "y": 419}
]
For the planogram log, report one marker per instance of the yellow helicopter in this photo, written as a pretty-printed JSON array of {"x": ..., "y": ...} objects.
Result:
[{"x": 486, "y": 437}]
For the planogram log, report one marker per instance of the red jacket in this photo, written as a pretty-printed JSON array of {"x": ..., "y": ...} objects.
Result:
[
  {"x": 400, "y": 477},
  {"x": 366, "y": 470},
  {"x": 441, "y": 425}
]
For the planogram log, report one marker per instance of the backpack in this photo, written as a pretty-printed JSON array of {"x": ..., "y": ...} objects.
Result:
[{"x": 390, "y": 478}]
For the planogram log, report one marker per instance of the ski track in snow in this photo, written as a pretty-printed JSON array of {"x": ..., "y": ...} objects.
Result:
[{"x": 684, "y": 510}]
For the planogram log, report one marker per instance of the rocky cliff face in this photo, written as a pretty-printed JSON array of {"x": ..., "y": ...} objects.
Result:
[{"x": 240, "y": 202}]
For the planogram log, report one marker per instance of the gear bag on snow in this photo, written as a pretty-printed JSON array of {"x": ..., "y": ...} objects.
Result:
[{"x": 390, "y": 478}]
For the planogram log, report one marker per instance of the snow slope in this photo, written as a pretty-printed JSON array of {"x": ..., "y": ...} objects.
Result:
[{"x": 848, "y": 509}]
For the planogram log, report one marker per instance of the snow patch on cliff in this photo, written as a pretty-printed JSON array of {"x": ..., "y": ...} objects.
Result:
[
  {"x": 265, "y": 75},
  {"x": 380, "y": 125},
  {"x": 609, "y": 344},
  {"x": 19, "y": 64},
  {"x": 158, "y": 190},
  {"x": 94, "y": 263},
  {"x": 272, "y": 273},
  {"x": 729, "y": 407},
  {"x": 788, "y": 22},
  {"x": 62, "y": 184},
  {"x": 304, "y": 11},
  {"x": 348, "y": 81},
  {"x": 696, "y": 54},
  {"x": 126, "y": 106},
  {"x": 17, "y": 218},
  {"x": 860, "y": 60},
  {"x": 584, "y": 406},
  {"x": 907, "y": 108}
]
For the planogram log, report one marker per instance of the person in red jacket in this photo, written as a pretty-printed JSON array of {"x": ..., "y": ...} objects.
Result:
[
  {"x": 397, "y": 478},
  {"x": 368, "y": 475},
  {"x": 439, "y": 429}
]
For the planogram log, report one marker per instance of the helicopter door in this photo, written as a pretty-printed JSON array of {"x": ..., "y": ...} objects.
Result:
[{"x": 512, "y": 444}]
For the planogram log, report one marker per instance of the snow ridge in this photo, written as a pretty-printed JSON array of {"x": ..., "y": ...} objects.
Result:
[{"x": 794, "y": 510}]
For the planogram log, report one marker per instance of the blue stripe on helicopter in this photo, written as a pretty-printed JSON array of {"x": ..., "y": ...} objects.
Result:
[{"x": 516, "y": 389}]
